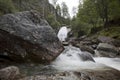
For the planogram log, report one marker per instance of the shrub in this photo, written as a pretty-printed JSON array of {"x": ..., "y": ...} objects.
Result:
[{"x": 6, "y": 6}]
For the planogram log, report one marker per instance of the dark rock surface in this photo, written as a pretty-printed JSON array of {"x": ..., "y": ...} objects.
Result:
[
  {"x": 92, "y": 45},
  {"x": 107, "y": 50},
  {"x": 65, "y": 43},
  {"x": 86, "y": 48},
  {"x": 25, "y": 36},
  {"x": 85, "y": 44},
  {"x": 86, "y": 56}
]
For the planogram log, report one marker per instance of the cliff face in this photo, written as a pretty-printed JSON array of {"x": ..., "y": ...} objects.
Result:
[
  {"x": 42, "y": 6},
  {"x": 9, "y": 6},
  {"x": 12, "y": 6}
]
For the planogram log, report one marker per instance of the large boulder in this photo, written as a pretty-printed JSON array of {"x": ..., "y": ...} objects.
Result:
[
  {"x": 107, "y": 50},
  {"x": 26, "y": 37}
]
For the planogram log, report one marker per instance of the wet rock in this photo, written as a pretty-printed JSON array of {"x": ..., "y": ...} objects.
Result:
[
  {"x": 65, "y": 43},
  {"x": 9, "y": 73},
  {"x": 26, "y": 37},
  {"x": 86, "y": 44},
  {"x": 94, "y": 46},
  {"x": 109, "y": 74},
  {"x": 107, "y": 50},
  {"x": 85, "y": 56},
  {"x": 86, "y": 48}
]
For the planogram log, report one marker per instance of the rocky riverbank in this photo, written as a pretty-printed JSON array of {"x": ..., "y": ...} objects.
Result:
[
  {"x": 100, "y": 46},
  {"x": 13, "y": 73}
]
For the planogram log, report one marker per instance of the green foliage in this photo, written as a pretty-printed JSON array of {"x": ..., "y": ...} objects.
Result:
[
  {"x": 115, "y": 9},
  {"x": 79, "y": 28},
  {"x": 111, "y": 32},
  {"x": 86, "y": 18},
  {"x": 58, "y": 9},
  {"x": 94, "y": 14},
  {"x": 65, "y": 13},
  {"x": 6, "y": 6},
  {"x": 51, "y": 20}
]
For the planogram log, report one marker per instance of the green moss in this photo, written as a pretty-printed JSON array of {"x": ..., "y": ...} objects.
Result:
[
  {"x": 7, "y": 6},
  {"x": 1, "y": 13},
  {"x": 111, "y": 32}
]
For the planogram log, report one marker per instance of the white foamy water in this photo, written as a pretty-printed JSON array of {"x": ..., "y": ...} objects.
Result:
[
  {"x": 111, "y": 62},
  {"x": 70, "y": 60},
  {"x": 62, "y": 34}
]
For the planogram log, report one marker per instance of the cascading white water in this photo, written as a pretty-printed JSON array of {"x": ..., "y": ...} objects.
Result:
[
  {"x": 62, "y": 34},
  {"x": 70, "y": 59}
]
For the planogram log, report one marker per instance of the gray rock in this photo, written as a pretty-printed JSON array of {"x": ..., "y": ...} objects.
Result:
[
  {"x": 26, "y": 37},
  {"x": 9, "y": 73},
  {"x": 85, "y": 56},
  {"x": 55, "y": 76},
  {"x": 86, "y": 48},
  {"x": 109, "y": 74},
  {"x": 104, "y": 39},
  {"x": 109, "y": 40},
  {"x": 106, "y": 50}
]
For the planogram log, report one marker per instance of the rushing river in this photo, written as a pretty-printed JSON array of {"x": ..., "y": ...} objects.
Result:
[{"x": 69, "y": 60}]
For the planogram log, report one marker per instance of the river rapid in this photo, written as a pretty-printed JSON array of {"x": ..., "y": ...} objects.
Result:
[{"x": 69, "y": 60}]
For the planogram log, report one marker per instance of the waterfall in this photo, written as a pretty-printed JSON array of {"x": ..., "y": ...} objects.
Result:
[
  {"x": 73, "y": 58},
  {"x": 62, "y": 34}
]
